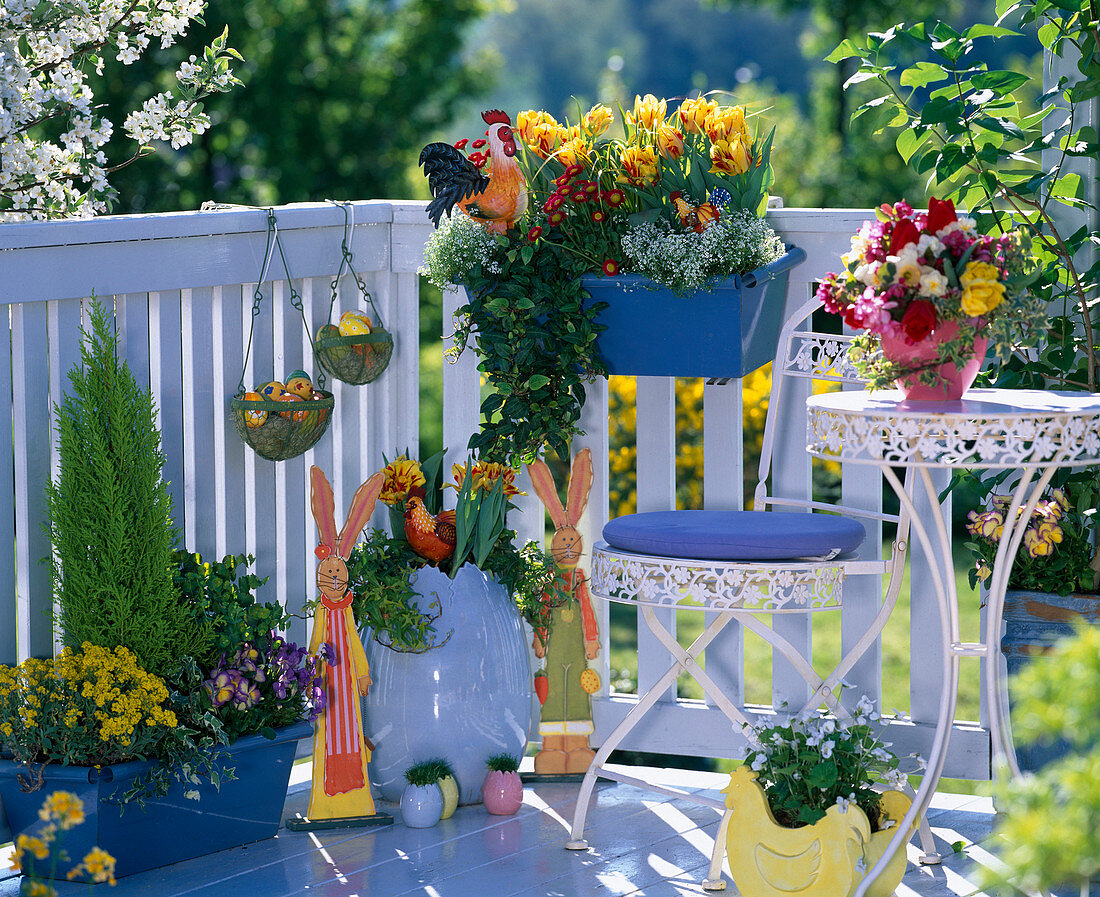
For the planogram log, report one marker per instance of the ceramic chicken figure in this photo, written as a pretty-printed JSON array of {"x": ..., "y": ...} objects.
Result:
[
  {"x": 340, "y": 789},
  {"x": 572, "y": 638},
  {"x": 430, "y": 537},
  {"x": 769, "y": 859},
  {"x": 497, "y": 200}
]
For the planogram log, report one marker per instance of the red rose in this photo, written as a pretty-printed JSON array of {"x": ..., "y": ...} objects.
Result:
[
  {"x": 919, "y": 319},
  {"x": 941, "y": 212},
  {"x": 905, "y": 232}
]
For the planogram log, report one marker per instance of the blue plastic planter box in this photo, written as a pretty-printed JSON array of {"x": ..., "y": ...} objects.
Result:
[
  {"x": 726, "y": 332},
  {"x": 168, "y": 829}
]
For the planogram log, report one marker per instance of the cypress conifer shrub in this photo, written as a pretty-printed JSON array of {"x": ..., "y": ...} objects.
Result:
[{"x": 110, "y": 515}]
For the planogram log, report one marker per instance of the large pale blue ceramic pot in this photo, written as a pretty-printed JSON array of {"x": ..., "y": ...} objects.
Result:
[{"x": 464, "y": 701}]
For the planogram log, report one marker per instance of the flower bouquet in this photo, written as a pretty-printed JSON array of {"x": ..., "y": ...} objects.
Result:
[
  {"x": 807, "y": 800},
  {"x": 931, "y": 294},
  {"x": 544, "y": 212}
]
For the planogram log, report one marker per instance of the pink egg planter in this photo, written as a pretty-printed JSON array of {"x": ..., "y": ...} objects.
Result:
[{"x": 502, "y": 793}]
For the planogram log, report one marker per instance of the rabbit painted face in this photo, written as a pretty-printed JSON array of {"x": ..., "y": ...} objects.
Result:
[
  {"x": 566, "y": 547},
  {"x": 332, "y": 578}
]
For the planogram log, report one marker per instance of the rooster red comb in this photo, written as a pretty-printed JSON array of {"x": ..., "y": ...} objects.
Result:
[{"x": 496, "y": 117}]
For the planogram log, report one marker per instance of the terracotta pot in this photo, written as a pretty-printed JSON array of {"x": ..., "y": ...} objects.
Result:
[
  {"x": 826, "y": 859},
  {"x": 953, "y": 382},
  {"x": 502, "y": 792}
]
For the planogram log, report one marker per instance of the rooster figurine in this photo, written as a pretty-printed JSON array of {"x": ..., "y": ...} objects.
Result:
[
  {"x": 431, "y": 537},
  {"x": 498, "y": 199}
]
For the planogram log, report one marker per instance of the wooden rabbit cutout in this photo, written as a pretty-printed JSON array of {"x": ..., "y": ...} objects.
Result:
[
  {"x": 340, "y": 789},
  {"x": 571, "y": 639}
]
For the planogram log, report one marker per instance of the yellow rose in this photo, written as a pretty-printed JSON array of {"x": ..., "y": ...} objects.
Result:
[
  {"x": 730, "y": 157},
  {"x": 597, "y": 120},
  {"x": 693, "y": 114},
  {"x": 640, "y": 164},
  {"x": 670, "y": 141},
  {"x": 976, "y": 271},
  {"x": 648, "y": 112},
  {"x": 981, "y": 297}
]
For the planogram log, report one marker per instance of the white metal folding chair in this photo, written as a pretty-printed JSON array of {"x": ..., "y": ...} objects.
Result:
[{"x": 787, "y": 556}]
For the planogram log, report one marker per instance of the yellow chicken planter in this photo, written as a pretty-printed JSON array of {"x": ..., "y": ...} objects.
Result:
[{"x": 826, "y": 859}]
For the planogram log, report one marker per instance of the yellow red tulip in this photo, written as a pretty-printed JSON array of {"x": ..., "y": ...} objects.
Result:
[
  {"x": 670, "y": 141},
  {"x": 648, "y": 112},
  {"x": 730, "y": 157},
  {"x": 640, "y": 164},
  {"x": 693, "y": 114},
  {"x": 597, "y": 120}
]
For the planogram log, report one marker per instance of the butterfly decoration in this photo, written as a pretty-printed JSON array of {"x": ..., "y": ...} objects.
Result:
[{"x": 698, "y": 218}]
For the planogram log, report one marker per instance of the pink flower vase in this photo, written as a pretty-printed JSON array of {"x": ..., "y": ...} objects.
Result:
[
  {"x": 502, "y": 792},
  {"x": 953, "y": 382}
]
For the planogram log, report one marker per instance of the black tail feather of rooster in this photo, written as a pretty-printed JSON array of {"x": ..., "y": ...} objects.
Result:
[{"x": 451, "y": 178}]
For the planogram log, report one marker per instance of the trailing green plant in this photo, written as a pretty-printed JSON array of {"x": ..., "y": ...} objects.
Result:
[
  {"x": 534, "y": 329},
  {"x": 806, "y": 764},
  {"x": 110, "y": 515},
  {"x": 1046, "y": 834},
  {"x": 959, "y": 124},
  {"x": 424, "y": 773},
  {"x": 503, "y": 763}
]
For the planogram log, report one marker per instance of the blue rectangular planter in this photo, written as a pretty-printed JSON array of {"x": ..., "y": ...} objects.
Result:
[
  {"x": 168, "y": 829},
  {"x": 726, "y": 332}
]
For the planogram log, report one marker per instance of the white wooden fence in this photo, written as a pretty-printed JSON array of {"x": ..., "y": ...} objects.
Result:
[{"x": 181, "y": 285}]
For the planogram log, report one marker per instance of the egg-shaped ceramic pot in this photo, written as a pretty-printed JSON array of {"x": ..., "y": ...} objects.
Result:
[{"x": 468, "y": 699}]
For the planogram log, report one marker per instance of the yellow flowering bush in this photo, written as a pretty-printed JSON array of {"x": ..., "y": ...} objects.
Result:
[{"x": 90, "y": 707}]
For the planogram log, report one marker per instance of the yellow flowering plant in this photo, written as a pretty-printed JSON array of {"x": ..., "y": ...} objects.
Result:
[
  {"x": 91, "y": 707},
  {"x": 1056, "y": 551},
  {"x": 913, "y": 276},
  {"x": 61, "y": 811}
]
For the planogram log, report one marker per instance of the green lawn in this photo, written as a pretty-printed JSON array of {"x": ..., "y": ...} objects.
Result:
[{"x": 826, "y": 652}]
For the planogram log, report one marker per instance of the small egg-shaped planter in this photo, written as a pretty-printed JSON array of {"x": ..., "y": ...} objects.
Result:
[
  {"x": 502, "y": 792},
  {"x": 463, "y": 701},
  {"x": 449, "y": 788},
  {"x": 826, "y": 859},
  {"x": 421, "y": 805}
]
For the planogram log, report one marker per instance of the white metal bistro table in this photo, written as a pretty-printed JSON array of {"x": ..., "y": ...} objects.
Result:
[{"x": 1032, "y": 431}]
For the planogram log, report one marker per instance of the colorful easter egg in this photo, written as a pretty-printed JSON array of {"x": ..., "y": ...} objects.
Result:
[
  {"x": 254, "y": 418},
  {"x": 272, "y": 390},
  {"x": 299, "y": 383}
]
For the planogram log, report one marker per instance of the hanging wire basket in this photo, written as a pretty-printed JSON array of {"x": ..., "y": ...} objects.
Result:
[
  {"x": 359, "y": 358},
  {"x": 280, "y": 427},
  {"x": 281, "y": 430},
  {"x": 355, "y": 359}
]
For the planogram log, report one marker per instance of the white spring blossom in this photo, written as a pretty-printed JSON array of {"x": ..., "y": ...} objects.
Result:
[
  {"x": 46, "y": 49},
  {"x": 736, "y": 243}
]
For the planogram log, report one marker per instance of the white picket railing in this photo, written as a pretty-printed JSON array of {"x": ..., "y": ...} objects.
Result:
[{"x": 182, "y": 284}]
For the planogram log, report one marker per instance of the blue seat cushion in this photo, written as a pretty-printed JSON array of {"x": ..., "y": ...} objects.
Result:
[{"x": 734, "y": 535}]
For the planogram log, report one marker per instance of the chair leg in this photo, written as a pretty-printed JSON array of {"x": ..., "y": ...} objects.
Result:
[
  {"x": 714, "y": 880},
  {"x": 929, "y": 856}
]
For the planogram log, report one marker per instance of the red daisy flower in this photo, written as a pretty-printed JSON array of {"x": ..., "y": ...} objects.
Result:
[
  {"x": 534, "y": 233},
  {"x": 591, "y": 188},
  {"x": 573, "y": 170},
  {"x": 479, "y": 143},
  {"x": 562, "y": 179},
  {"x": 610, "y": 267},
  {"x": 615, "y": 198},
  {"x": 554, "y": 202},
  {"x": 555, "y": 218},
  {"x": 580, "y": 196},
  {"x": 462, "y": 143},
  {"x": 599, "y": 216}
]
